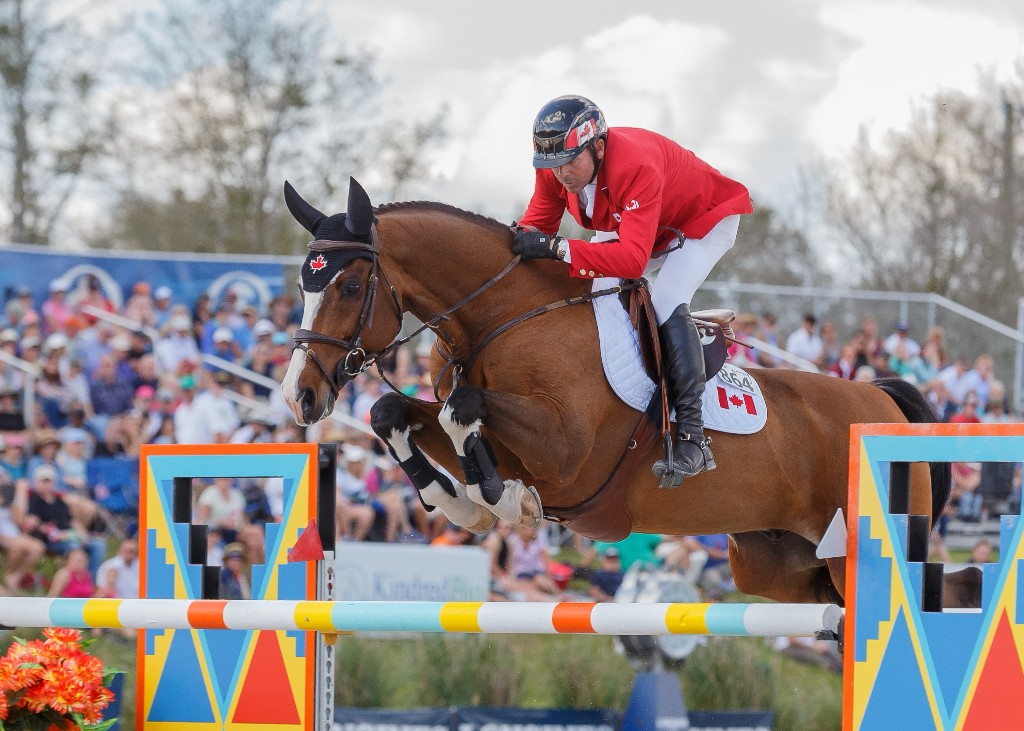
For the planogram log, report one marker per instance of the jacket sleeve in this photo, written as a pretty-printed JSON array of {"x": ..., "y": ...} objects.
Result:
[
  {"x": 547, "y": 204},
  {"x": 638, "y": 227}
]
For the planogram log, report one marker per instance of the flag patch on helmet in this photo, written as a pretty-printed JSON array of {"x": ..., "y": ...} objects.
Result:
[
  {"x": 317, "y": 264},
  {"x": 581, "y": 135}
]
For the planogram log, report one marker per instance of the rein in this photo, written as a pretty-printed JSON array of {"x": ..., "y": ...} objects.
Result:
[{"x": 357, "y": 360}]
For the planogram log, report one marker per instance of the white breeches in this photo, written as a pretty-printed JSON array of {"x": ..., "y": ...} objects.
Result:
[{"x": 681, "y": 272}]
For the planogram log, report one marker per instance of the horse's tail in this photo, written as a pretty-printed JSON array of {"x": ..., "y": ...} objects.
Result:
[{"x": 918, "y": 411}]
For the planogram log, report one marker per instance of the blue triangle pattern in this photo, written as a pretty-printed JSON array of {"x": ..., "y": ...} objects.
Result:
[
  {"x": 223, "y": 651},
  {"x": 186, "y": 682},
  {"x": 899, "y": 685}
]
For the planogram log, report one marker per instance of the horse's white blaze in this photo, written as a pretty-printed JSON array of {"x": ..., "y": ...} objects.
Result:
[{"x": 289, "y": 386}]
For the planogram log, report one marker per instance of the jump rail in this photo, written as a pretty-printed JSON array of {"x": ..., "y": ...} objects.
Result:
[{"x": 757, "y": 620}]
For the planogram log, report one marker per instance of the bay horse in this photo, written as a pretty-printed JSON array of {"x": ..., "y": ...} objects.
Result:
[{"x": 532, "y": 400}]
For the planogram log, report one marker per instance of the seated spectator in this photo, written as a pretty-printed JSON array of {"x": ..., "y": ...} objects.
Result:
[
  {"x": 716, "y": 576},
  {"x": 981, "y": 553},
  {"x": 13, "y": 461},
  {"x": 73, "y": 580},
  {"x": 607, "y": 579},
  {"x": 996, "y": 412},
  {"x": 225, "y": 346},
  {"x": 805, "y": 343},
  {"x": 407, "y": 519},
  {"x": 49, "y": 519},
  {"x": 118, "y": 576},
  {"x": 56, "y": 310},
  {"x": 528, "y": 563},
  {"x": 965, "y": 493},
  {"x": 110, "y": 392},
  {"x": 234, "y": 578},
  {"x": 222, "y": 505},
  {"x": 980, "y": 378},
  {"x": 846, "y": 366},
  {"x": 178, "y": 346},
  {"x": 356, "y": 483},
  {"x": 968, "y": 413},
  {"x": 73, "y": 466},
  {"x": 634, "y": 548},
  {"x": 163, "y": 300},
  {"x": 215, "y": 411},
  {"x": 503, "y": 584},
  {"x": 900, "y": 340},
  {"x": 22, "y": 551},
  {"x": 47, "y": 443},
  {"x": 954, "y": 377}
]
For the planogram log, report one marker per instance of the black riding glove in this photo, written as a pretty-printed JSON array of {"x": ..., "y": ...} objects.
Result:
[{"x": 536, "y": 245}]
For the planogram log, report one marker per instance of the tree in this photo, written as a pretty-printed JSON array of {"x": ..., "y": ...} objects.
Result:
[
  {"x": 937, "y": 206},
  {"x": 770, "y": 251},
  {"x": 237, "y": 96},
  {"x": 51, "y": 128}
]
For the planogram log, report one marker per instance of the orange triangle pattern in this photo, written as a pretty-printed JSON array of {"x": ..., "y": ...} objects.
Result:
[
  {"x": 266, "y": 696},
  {"x": 1001, "y": 679}
]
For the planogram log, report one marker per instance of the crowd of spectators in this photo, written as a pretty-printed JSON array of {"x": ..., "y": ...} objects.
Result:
[{"x": 103, "y": 390}]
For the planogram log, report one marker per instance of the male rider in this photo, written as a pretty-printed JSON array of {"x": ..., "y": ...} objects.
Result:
[{"x": 625, "y": 184}]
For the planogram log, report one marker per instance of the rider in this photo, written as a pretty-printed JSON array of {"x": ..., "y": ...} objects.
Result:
[{"x": 625, "y": 183}]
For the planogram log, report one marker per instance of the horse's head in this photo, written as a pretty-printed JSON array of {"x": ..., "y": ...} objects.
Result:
[{"x": 344, "y": 321}]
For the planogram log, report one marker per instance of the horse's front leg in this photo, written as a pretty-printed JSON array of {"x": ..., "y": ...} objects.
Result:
[
  {"x": 391, "y": 419},
  {"x": 511, "y": 500}
]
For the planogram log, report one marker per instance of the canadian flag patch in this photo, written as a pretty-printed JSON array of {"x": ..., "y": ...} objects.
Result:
[
  {"x": 733, "y": 402},
  {"x": 318, "y": 263}
]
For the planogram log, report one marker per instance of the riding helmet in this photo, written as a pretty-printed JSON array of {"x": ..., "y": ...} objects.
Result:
[{"x": 564, "y": 128}]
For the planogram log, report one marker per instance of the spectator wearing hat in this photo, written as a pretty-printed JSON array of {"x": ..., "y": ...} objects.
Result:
[
  {"x": 10, "y": 377},
  {"x": 244, "y": 333},
  {"x": 55, "y": 310},
  {"x": 234, "y": 578},
  {"x": 900, "y": 343},
  {"x": 356, "y": 484},
  {"x": 607, "y": 578},
  {"x": 225, "y": 346},
  {"x": 21, "y": 551},
  {"x": 13, "y": 460},
  {"x": 163, "y": 303},
  {"x": 189, "y": 427},
  {"x": 49, "y": 519},
  {"x": 257, "y": 428},
  {"x": 177, "y": 346},
  {"x": 31, "y": 349},
  {"x": 218, "y": 412},
  {"x": 47, "y": 445},
  {"x": 223, "y": 318}
]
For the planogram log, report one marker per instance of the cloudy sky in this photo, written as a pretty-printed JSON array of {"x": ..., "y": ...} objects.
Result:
[{"x": 755, "y": 87}]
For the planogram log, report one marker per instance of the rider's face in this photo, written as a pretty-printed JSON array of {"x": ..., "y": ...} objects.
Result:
[{"x": 576, "y": 174}]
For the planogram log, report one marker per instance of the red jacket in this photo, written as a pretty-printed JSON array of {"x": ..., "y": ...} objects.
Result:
[{"x": 645, "y": 181}]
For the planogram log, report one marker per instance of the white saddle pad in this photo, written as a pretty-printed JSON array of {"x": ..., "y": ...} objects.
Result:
[{"x": 732, "y": 400}]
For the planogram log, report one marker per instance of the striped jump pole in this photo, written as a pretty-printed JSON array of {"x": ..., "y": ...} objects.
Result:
[{"x": 742, "y": 620}]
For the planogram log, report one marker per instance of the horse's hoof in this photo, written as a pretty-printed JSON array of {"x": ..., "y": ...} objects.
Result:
[
  {"x": 486, "y": 523},
  {"x": 530, "y": 504}
]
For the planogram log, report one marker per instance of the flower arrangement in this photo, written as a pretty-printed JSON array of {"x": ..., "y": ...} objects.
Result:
[{"x": 53, "y": 684}]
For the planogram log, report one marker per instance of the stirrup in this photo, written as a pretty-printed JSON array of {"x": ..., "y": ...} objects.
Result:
[{"x": 669, "y": 473}]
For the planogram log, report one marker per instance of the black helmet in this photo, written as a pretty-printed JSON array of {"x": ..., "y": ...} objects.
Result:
[{"x": 564, "y": 128}]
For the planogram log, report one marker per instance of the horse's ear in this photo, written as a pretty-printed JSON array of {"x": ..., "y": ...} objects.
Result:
[
  {"x": 304, "y": 213},
  {"x": 359, "y": 216}
]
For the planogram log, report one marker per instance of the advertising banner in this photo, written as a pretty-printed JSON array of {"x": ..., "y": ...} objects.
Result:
[{"x": 404, "y": 572}]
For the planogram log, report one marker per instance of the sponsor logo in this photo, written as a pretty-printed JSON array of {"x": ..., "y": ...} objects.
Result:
[{"x": 318, "y": 263}]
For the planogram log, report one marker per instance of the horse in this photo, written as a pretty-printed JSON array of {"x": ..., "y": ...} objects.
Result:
[{"x": 521, "y": 388}]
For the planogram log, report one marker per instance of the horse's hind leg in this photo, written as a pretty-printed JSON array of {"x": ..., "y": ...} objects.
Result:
[
  {"x": 391, "y": 419},
  {"x": 781, "y": 566},
  {"x": 461, "y": 417}
]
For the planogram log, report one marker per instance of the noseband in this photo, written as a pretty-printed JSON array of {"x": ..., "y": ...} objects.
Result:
[{"x": 356, "y": 360}]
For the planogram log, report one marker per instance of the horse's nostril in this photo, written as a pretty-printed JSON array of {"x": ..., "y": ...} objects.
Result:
[{"x": 306, "y": 400}]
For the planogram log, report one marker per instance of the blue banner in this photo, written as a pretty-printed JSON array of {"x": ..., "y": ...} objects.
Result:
[{"x": 256, "y": 279}]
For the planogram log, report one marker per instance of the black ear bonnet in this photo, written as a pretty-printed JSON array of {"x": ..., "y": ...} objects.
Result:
[{"x": 320, "y": 267}]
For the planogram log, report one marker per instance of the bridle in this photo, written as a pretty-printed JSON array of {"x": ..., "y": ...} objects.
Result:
[{"x": 356, "y": 359}]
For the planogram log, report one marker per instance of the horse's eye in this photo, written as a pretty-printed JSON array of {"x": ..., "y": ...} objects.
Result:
[{"x": 351, "y": 287}]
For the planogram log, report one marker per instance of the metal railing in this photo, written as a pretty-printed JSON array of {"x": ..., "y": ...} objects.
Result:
[{"x": 224, "y": 365}]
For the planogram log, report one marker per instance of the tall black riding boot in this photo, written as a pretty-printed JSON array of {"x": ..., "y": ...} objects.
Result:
[{"x": 683, "y": 361}]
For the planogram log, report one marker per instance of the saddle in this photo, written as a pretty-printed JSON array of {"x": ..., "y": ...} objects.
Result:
[{"x": 603, "y": 516}]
